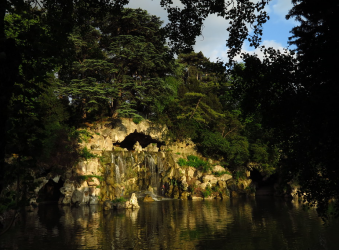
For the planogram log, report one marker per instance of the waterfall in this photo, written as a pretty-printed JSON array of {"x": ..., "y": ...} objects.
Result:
[
  {"x": 116, "y": 168},
  {"x": 132, "y": 160},
  {"x": 150, "y": 163},
  {"x": 117, "y": 174},
  {"x": 121, "y": 164},
  {"x": 160, "y": 163}
]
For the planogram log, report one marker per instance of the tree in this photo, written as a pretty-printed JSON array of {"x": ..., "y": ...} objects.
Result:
[
  {"x": 297, "y": 99},
  {"x": 31, "y": 49},
  {"x": 119, "y": 65},
  {"x": 60, "y": 18}
]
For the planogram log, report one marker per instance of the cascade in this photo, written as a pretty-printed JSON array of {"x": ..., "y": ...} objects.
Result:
[
  {"x": 116, "y": 169},
  {"x": 117, "y": 174},
  {"x": 132, "y": 159},
  {"x": 121, "y": 164},
  {"x": 160, "y": 163},
  {"x": 154, "y": 181}
]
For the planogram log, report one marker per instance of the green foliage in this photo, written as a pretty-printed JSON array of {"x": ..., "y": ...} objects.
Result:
[
  {"x": 84, "y": 135},
  {"x": 86, "y": 154},
  {"x": 207, "y": 192},
  {"x": 196, "y": 162},
  {"x": 182, "y": 162},
  {"x": 239, "y": 175},
  {"x": 121, "y": 199},
  {"x": 218, "y": 174},
  {"x": 137, "y": 120}
]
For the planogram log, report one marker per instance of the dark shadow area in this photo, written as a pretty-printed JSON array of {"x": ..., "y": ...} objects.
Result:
[
  {"x": 263, "y": 181},
  {"x": 51, "y": 191},
  {"x": 143, "y": 139}
]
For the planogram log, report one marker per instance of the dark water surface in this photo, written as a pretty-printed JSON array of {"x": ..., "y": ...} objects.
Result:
[{"x": 264, "y": 223}]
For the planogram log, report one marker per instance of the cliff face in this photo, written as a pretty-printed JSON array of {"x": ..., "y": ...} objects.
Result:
[{"x": 137, "y": 158}]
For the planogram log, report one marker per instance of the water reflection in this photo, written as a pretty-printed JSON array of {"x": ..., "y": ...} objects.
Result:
[{"x": 234, "y": 224}]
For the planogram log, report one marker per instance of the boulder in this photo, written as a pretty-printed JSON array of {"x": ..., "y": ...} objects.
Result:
[
  {"x": 148, "y": 198},
  {"x": 197, "y": 182},
  {"x": 137, "y": 147},
  {"x": 93, "y": 181},
  {"x": 77, "y": 197},
  {"x": 222, "y": 184},
  {"x": 202, "y": 185},
  {"x": 184, "y": 195},
  {"x": 225, "y": 177},
  {"x": 184, "y": 185},
  {"x": 190, "y": 172},
  {"x": 210, "y": 178},
  {"x": 93, "y": 200},
  {"x": 218, "y": 168},
  {"x": 134, "y": 201},
  {"x": 67, "y": 190}
]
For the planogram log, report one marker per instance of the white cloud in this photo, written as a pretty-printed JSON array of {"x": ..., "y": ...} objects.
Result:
[
  {"x": 153, "y": 7},
  {"x": 214, "y": 35},
  {"x": 281, "y": 7}
]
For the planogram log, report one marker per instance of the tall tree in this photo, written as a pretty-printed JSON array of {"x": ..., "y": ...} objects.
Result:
[
  {"x": 297, "y": 98},
  {"x": 61, "y": 16}
]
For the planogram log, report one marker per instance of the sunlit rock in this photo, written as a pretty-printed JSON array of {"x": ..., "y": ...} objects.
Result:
[
  {"x": 56, "y": 179},
  {"x": 225, "y": 177},
  {"x": 184, "y": 185},
  {"x": 190, "y": 172},
  {"x": 148, "y": 198},
  {"x": 222, "y": 184},
  {"x": 93, "y": 181},
  {"x": 210, "y": 178},
  {"x": 134, "y": 201},
  {"x": 218, "y": 168},
  {"x": 137, "y": 147}
]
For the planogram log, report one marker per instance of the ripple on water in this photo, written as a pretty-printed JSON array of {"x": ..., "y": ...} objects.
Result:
[{"x": 173, "y": 224}]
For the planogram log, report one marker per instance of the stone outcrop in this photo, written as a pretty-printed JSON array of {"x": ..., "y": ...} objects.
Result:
[
  {"x": 132, "y": 203},
  {"x": 116, "y": 172}
]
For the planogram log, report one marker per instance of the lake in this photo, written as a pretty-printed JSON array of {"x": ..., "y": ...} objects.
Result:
[{"x": 243, "y": 223}]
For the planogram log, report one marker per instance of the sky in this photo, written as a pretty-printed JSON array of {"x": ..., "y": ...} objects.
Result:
[{"x": 212, "y": 42}]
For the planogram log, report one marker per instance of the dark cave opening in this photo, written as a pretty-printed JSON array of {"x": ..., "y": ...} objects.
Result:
[
  {"x": 51, "y": 191},
  {"x": 144, "y": 141},
  {"x": 263, "y": 181}
]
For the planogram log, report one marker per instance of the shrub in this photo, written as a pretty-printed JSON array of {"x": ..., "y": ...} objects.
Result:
[
  {"x": 182, "y": 162},
  {"x": 137, "y": 120},
  {"x": 196, "y": 162},
  {"x": 218, "y": 174},
  {"x": 122, "y": 199},
  {"x": 207, "y": 192},
  {"x": 86, "y": 154}
]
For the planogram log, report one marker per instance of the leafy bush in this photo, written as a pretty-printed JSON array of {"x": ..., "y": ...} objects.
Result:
[
  {"x": 182, "y": 162},
  {"x": 137, "y": 120},
  {"x": 207, "y": 192},
  {"x": 84, "y": 135},
  {"x": 122, "y": 199},
  {"x": 86, "y": 154},
  {"x": 196, "y": 162}
]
